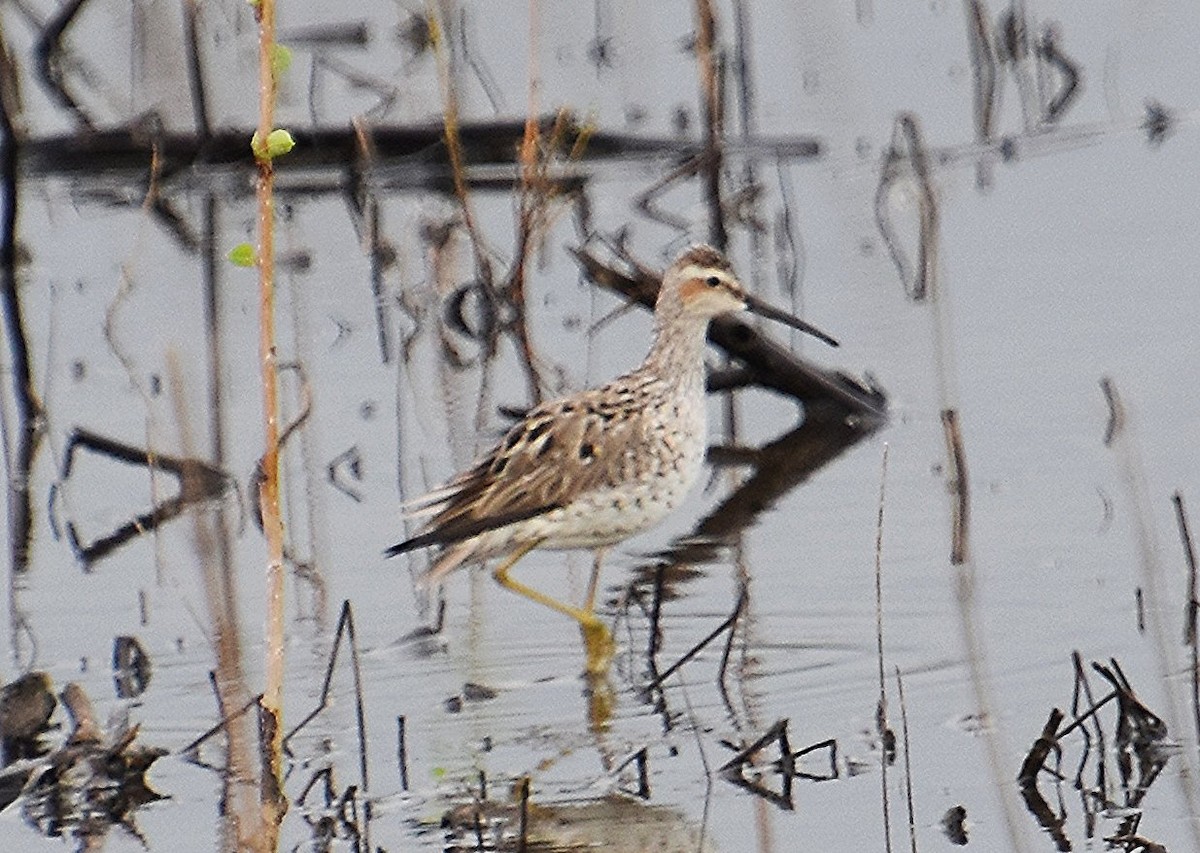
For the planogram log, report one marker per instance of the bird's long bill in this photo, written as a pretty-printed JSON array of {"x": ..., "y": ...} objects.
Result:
[{"x": 762, "y": 309}]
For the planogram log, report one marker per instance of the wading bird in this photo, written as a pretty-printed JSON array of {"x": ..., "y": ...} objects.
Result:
[{"x": 594, "y": 468}]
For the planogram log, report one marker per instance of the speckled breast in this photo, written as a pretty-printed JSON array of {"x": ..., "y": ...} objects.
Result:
[{"x": 656, "y": 473}]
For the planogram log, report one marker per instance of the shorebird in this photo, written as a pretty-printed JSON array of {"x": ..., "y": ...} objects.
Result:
[{"x": 594, "y": 468}]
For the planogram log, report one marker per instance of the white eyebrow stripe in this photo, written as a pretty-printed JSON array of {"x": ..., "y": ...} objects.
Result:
[{"x": 697, "y": 271}]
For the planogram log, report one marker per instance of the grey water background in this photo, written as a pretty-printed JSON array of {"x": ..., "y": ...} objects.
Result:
[{"x": 1078, "y": 263}]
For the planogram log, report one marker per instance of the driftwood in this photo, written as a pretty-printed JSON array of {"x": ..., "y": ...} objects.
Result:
[
  {"x": 25, "y": 707},
  {"x": 95, "y": 779}
]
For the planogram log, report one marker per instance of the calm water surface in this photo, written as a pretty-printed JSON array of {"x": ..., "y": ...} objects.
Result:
[{"x": 1077, "y": 264}]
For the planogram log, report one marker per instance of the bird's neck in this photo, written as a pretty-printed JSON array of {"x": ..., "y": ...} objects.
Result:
[{"x": 677, "y": 353}]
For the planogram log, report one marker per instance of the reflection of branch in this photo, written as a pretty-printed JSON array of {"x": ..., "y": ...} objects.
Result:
[
  {"x": 47, "y": 52},
  {"x": 1191, "y": 611},
  {"x": 200, "y": 113},
  {"x": 779, "y": 467},
  {"x": 409, "y": 156},
  {"x": 727, "y": 625},
  {"x": 1049, "y": 52},
  {"x": 349, "y": 460},
  {"x": 983, "y": 68},
  {"x": 1041, "y": 748},
  {"x": 256, "y": 479},
  {"x": 645, "y": 201},
  {"x": 1137, "y": 726},
  {"x": 734, "y": 769},
  {"x": 907, "y": 165},
  {"x": 1140, "y": 736},
  {"x": 1052, "y": 823},
  {"x": 198, "y": 481},
  {"x": 1116, "y": 411},
  {"x": 28, "y": 406},
  {"x": 345, "y": 627}
]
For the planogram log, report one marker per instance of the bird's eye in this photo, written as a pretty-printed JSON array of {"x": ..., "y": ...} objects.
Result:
[{"x": 712, "y": 281}]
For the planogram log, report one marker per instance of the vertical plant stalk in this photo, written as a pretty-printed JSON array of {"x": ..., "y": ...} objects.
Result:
[
  {"x": 881, "y": 709},
  {"x": 450, "y": 123},
  {"x": 713, "y": 113},
  {"x": 532, "y": 197},
  {"x": 30, "y": 413},
  {"x": 1192, "y": 609},
  {"x": 271, "y": 729},
  {"x": 243, "y": 818}
]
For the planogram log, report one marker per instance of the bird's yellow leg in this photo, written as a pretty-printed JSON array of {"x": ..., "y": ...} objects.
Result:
[
  {"x": 597, "y": 639},
  {"x": 589, "y": 603},
  {"x": 500, "y": 573},
  {"x": 596, "y": 636},
  {"x": 598, "y": 645}
]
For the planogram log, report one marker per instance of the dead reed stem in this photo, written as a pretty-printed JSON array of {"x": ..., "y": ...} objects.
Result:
[
  {"x": 965, "y": 573},
  {"x": 242, "y": 813},
  {"x": 908, "y": 793},
  {"x": 271, "y": 801},
  {"x": 881, "y": 712},
  {"x": 402, "y": 750},
  {"x": 531, "y": 199},
  {"x": 960, "y": 489},
  {"x": 1190, "y": 612},
  {"x": 454, "y": 148},
  {"x": 1122, "y": 440},
  {"x": 709, "y": 62},
  {"x": 27, "y": 404}
]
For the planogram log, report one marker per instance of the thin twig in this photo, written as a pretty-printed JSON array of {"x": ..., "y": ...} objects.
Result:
[
  {"x": 1116, "y": 411},
  {"x": 454, "y": 146},
  {"x": 960, "y": 488},
  {"x": 881, "y": 711},
  {"x": 345, "y": 627},
  {"x": 1091, "y": 712},
  {"x": 531, "y": 199},
  {"x": 908, "y": 790},
  {"x": 1193, "y": 605},
  {"x": 272, "y": 699},
  {"x": 191, "y": 750},
  {"x": 402, "y": 750},
  {"x": 696, "y": 649},
  {"x": 523, "y": 835}
]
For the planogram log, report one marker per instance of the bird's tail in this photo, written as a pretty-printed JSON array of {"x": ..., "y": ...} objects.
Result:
[
  {"x": 428, "y": 503},
  {"x": 447, "y": 561}
]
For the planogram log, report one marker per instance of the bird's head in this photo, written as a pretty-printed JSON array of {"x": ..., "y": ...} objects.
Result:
[
  {"x": 704, "y": 283},
  {"x": 701, "y": 283}
]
